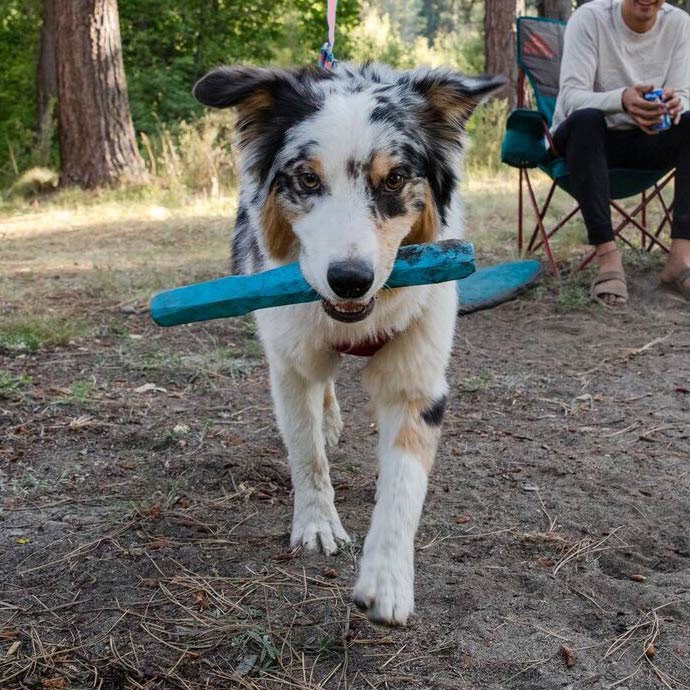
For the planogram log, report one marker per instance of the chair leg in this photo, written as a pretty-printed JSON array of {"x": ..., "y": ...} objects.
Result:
[
  {"x": 540, "y": 226},
  {"x": 541, "y": 215},
  {"x": 643, "y": 239},
  {"x": 629, "y": 219},
  {"x": 556, "y": 228},
  {"x": 667, "y": 218},
  {"x": 520, "y": 213}
]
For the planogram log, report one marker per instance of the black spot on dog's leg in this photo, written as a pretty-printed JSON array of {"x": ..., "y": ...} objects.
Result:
[{"x": 433, "y": 415}]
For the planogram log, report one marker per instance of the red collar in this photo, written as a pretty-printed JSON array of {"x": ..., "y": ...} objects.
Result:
[{"x": 367, "y": 348}]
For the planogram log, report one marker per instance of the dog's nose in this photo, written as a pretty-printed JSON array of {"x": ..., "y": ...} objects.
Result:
[{"x": 350, "y": 279}]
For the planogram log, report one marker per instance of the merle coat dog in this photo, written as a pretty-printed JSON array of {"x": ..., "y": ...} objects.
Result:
[{"x": 338, "y": 169}]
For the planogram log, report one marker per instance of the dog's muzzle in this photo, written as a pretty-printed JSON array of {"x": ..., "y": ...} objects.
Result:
[{"x": 349, "y": 279}]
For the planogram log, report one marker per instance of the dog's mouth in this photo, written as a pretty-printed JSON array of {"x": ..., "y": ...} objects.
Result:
[{"x": 348, "y": 312}]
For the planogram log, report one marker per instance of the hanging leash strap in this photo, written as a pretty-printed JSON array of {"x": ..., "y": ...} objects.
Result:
[{"x": 326, "y": 58}]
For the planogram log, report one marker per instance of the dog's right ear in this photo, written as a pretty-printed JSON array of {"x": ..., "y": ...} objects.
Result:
[
  {"x": 225, "y": 87},
  {"x": 269, "y": 103}
]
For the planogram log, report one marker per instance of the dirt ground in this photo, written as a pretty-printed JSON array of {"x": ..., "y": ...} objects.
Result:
[{"x": 145, "y": 508}]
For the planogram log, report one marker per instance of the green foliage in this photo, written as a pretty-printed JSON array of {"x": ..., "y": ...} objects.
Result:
[
  {"x": 486, "y": 128},
  {"x": 169, "y": 44},
  {"x": 20, "y": 25},
  {"x": 378, "y": 38}
]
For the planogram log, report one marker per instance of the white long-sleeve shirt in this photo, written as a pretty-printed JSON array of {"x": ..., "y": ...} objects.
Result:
[{"x": 602, "y": 56}]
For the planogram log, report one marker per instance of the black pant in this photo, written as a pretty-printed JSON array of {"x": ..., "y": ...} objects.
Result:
[{"x": 590, "y": 148}]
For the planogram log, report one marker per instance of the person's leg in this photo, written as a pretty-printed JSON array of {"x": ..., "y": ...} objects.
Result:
[
  {"x": 678, "y": 263},
  {"x": 664, "y": 151},
  {"x": 582, "y": 140}
]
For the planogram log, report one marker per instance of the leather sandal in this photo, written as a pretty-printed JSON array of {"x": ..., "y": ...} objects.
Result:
[
  {"x": 680, "y": 284},
  {"x": 610, "y": 283}
]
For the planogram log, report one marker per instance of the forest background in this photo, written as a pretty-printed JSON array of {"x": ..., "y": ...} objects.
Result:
[{"x": 168, "y": 44}]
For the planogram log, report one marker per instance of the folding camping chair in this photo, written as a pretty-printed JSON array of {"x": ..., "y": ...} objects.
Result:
[{"x": 527, "y": 144}]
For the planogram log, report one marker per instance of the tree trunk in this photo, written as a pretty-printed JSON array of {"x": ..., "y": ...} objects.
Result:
[
  {"x": 46, "y": 84},
  {"x": 97, "y": 141},
  {"x": 555, "y": 9},
  {"x": 499, "y": 44}
]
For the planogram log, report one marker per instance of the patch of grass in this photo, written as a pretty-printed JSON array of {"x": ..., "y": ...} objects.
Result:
[
  {"x": 572, "y": 296},
  {"x": 224, "y": 360},
  {"x": 81, "y": 391},
  {"x": 474, "y": 384},
  {"x": 29, "y": 333},
  {"x": 643, "y": 261},
  {"x": 157, "y": 360},
  {"x": 11, "y": 385},
  {"x": 259, "y": 641}
]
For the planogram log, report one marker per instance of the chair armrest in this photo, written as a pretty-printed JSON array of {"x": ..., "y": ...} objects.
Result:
[{"x": 524, "y": 144}]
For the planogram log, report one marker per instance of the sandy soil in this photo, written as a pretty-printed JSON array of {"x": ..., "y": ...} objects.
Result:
[{"x": 145, "y": 508}]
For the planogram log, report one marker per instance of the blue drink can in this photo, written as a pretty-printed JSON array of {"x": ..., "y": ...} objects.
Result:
[{"x": 658, "y": 95}]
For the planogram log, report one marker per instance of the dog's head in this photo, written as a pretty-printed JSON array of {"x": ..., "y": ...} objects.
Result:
[{"x": 346, "y": 166}]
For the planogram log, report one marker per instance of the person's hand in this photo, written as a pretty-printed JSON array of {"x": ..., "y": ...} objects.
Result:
[
  {"x": 673, "y": 105},
  {"x": 645, "y": 114}
]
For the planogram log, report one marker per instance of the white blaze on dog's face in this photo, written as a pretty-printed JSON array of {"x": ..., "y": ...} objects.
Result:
[{"x": 342, "y": 168}]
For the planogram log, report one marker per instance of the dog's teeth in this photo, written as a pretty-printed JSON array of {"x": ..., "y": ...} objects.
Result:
[{"x": 349, "y": 308}]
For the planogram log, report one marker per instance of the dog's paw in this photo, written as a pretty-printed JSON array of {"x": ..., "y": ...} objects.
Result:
[
  {"x": 332, "y": 424},
  {"x": 318, "y": 528},
  {"x": 385, "y": 590}
]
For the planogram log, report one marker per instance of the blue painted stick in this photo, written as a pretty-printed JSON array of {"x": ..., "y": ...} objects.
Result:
[{"x": 416, "y": 264}]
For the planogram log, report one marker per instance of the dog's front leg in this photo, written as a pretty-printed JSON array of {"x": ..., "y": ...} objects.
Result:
[
  {"x": 406, "y": 382},
  {"x": 299, "y": 403},
  {"x": 409, "y": 431}
]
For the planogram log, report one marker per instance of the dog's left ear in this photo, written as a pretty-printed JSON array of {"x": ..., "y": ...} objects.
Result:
[{"x": 451, "y": 96}]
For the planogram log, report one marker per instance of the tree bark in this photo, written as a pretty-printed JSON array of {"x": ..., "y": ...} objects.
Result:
[
  {"x": 97, "y": 141},
  {"x": 555, "y": 9},
  {"x": 46, "y": 84},
  {"x": 499, "y": 44}
]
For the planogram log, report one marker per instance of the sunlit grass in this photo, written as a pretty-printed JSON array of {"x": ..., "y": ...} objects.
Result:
[{"x": 70, "y": 263}]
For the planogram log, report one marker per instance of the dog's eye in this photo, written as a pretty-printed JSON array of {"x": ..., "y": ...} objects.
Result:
[
  {"x": 394, "y": 182},
  {"x": 309, "y": 181}
]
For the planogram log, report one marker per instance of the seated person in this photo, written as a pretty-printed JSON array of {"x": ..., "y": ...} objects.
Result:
[{"x": 615, "y": 51}]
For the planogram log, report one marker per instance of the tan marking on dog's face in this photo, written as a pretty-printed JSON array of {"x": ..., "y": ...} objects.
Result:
[
  {"x": 316, "y": 166},
  {"x": 277, "y": 229},
  {"x": 381, "y": 165},
  {"x": 417, "y": 437},
  {"x": 411, "y": 228},
  {"x": 425, "y": 228},
  {"x": 390, "y": 235}
]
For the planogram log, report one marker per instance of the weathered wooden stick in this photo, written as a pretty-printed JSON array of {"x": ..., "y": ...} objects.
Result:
[{"x": 416, "y": 264}]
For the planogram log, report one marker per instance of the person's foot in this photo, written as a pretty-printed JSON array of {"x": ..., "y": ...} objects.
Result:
[
  {"x": 676, "y": 273},
  {"x": 609, "y": 287}
]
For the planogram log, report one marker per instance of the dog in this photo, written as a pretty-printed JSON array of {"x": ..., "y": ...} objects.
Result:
[{"x": 338, "y": 170}]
